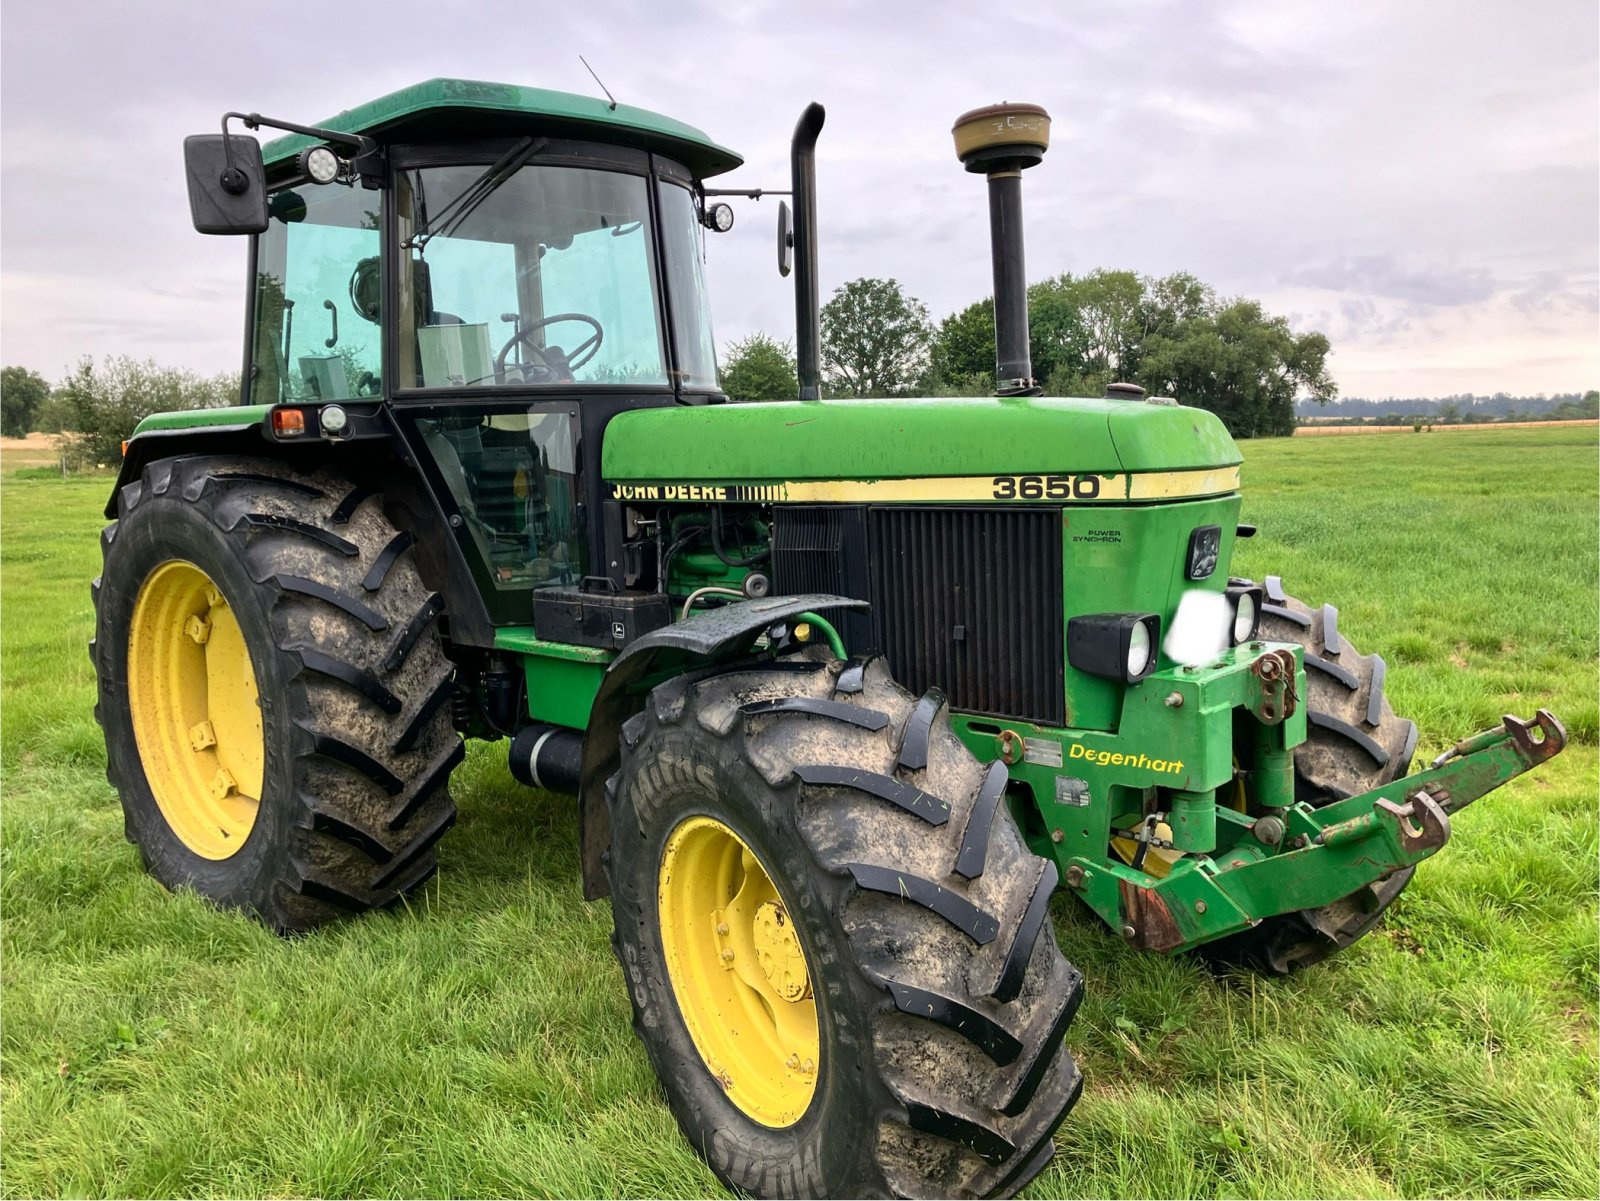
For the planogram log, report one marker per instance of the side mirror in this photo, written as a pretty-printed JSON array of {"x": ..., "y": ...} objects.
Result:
[
  {"x": 785, "y": 240},
  {"x": 227, "y": 183}
]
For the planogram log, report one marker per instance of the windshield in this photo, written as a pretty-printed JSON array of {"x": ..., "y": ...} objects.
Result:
[{"x": 516, "y": 274}]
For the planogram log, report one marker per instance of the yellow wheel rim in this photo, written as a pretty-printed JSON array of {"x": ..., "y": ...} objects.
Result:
[
  {"x": 738, "y": 972},
  {"x": 196, "y": 718}
]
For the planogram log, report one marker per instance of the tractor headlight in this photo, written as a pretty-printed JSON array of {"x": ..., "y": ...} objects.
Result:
[
  {"x": 333, "y": 419},
  {"x": 1246, "y": 602},
  {"x": 719, "y": 218},
  {"x": 1138, "y": 650},
  {"x": 1117, "y": 646}
]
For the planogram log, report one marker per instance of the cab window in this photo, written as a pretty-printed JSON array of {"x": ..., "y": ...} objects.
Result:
[
  {"x": 315, "y": 334},
  {"x": 526, "y": 275},
  {"x": 514, "y": 478}
]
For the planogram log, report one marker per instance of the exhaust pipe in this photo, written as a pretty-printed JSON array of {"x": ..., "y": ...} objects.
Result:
[
  {"x": 1001, "y": 141},
  {"x": 807, "y": 317},
  {"x": 548, "y": 757}
]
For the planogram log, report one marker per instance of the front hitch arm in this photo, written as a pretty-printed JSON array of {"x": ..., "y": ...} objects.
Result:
[{"x": 1418, "y": 824}]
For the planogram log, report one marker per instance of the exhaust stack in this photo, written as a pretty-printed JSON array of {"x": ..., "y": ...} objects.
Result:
[
  {"x": 807, "y": 316},
  {"x": 1001, "y": 141}
]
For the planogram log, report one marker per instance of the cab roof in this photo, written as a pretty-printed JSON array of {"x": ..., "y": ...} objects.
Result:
[{"x": 463, "y": 109}]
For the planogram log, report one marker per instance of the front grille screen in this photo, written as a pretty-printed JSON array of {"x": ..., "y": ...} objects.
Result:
[{"x": 968, "y": 600}]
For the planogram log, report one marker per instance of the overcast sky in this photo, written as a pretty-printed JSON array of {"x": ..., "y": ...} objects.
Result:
[{"x": 1418, "y": 180}]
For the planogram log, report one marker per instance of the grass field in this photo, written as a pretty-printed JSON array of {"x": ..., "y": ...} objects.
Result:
[{"x": 478, "y": 1043}]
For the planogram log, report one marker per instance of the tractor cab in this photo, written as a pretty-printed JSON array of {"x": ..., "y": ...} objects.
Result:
[
  {"x": 479, "y": 236},
  {"x": 508, "y": 267}
]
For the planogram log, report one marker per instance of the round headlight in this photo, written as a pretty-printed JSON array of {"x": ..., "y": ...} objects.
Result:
[
  {"x": 1138, "y": 650},
  {"x": 333, "y": 419},
  {"x": 1244, "y": 618},
  {"x": 720, "y": 217},
  {"x": 321, "y": 164}
]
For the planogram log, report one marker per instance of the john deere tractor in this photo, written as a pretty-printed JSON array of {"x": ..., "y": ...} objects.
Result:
[{"x": 845, "y": 690}]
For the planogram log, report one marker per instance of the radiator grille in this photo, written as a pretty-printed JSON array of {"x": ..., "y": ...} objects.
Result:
[
  {"x": 965, "y": 599},
  {"x": 824, "y": 549}
]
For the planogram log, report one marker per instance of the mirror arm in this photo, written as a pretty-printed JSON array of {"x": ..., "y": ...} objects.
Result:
[
  {"x": 747, "y": 193},
  {"x": 233, "y": 180}
]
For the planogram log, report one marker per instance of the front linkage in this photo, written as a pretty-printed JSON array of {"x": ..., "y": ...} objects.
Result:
[{"x": 1197, "y": 791}]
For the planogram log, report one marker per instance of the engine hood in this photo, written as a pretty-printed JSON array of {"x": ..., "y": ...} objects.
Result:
[{"x": 911, "y": 438}]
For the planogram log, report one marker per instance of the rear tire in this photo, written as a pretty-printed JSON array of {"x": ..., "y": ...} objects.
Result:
[
  {"x": 353, "y": 686},
  {"x": 1354, "y": 743},
  {"x": 941, "y": 999}
]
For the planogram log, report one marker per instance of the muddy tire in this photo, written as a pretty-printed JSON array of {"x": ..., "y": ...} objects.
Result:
[
  {"x": 1354, "y": 743},
  {"x": 940, "y": 995},
  {"x": 353, "y": 742}
]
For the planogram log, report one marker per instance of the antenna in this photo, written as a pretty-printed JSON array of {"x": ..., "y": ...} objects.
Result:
[{"x": 603, "y": 87}]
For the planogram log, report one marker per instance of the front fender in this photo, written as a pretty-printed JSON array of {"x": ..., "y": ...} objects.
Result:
[{"x": 704, "y": 640}]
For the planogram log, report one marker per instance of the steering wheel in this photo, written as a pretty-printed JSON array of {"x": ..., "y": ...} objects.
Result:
[{"x": 552, "y": 359}]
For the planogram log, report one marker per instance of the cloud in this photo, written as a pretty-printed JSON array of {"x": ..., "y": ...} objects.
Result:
[
  {"x": 1305, "y": 154},
  {"x": 1386, "y": 276}
]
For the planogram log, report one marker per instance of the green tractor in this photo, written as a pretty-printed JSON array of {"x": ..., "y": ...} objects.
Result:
[{"x": 845, "y": 690}]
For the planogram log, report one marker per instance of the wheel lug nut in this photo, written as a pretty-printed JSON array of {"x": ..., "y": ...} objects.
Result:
[
  {"x": 727, "y": 955},
  {"x": 792, "y": 1063},
  {"x": 722, "y": 927}
]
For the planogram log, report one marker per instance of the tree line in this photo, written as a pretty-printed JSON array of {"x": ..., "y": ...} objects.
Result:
[
  {"x": 98, "y": 405},
  {"x": 1173, "y": 335},
  {"x": 1464, "y": 408}
]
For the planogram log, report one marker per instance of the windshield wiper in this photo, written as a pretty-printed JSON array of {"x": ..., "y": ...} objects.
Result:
[{"x": 451, "y": 216}]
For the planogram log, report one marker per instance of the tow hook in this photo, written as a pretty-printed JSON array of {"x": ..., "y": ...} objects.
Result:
[{"x": 1275, "y": 673}]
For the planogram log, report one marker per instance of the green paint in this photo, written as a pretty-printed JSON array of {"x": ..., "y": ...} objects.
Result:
[
  {"x": 523, "y": 641},
  {"x": 562, "y": 680},
  {"x": 1132, "y": 560},
  {"x": 1228, "y": 879},
  {"x": 235, "y": 415},
  {"x": 459, "y": 109},
  {"x": 888, "y": 439}
]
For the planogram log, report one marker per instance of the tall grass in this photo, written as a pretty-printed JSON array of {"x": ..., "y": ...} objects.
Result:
[{"x": 478, "y": 1043}]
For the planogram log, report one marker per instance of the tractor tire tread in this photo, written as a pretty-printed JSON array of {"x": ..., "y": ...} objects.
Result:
[
  {"x": 963, "y": 1088},
  {"x": 360, "y": 740}
]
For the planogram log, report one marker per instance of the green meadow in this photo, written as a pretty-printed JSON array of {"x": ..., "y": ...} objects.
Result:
[{"x": 477, "y": 1043}]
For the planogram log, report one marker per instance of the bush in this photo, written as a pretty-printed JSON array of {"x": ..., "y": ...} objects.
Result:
[
  {"x": 55, "y": 415},
  {"x": 106, "y": 401}
]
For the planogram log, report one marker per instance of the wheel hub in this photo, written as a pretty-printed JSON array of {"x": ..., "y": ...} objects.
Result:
[
  {"x": 779, "y": 954},
  {"x": 738, "y": 971},
  {"x": 196, "y": 714}
]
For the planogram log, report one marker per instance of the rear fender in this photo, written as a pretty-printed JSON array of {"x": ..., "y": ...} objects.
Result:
[{"x": 381, "y": 462}]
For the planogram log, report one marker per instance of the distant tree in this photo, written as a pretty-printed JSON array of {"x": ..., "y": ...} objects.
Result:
[
  {"x": 55, "y": 414},
  {"x": 759, "y": 368},
  {"x": 22, "y": 392},
  {"x": 963, "y": 346},
  {"x": 1243, "y": 365},
  {"x": 1170, "y": 334},
  {"x": 875, "y": 338},
  {"x": 1075, "y": 381},
  {"x": 109, "y": 399}
]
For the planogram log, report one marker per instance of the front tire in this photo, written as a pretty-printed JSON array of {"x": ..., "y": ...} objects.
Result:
[
  {"x": 1354, "y": 743},
  {"x": 273, "y": 690},
  {"x": 919, "y": 949}
]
